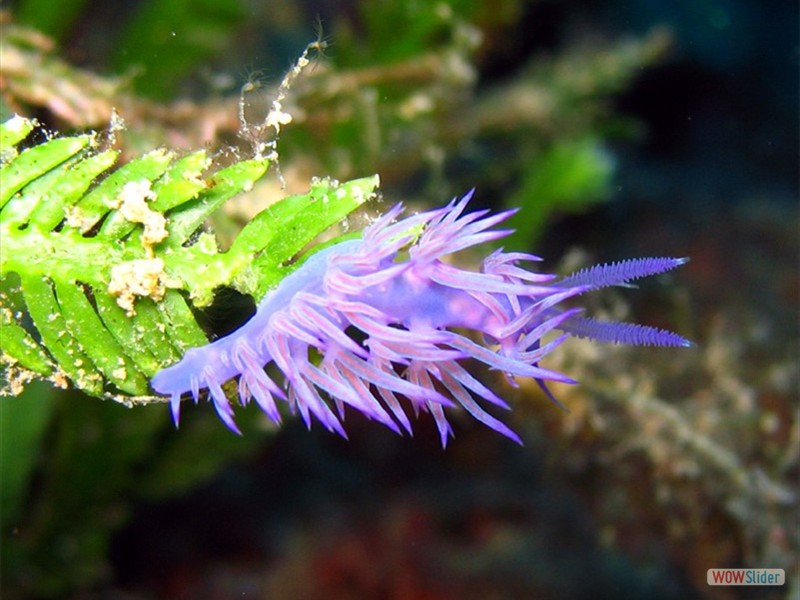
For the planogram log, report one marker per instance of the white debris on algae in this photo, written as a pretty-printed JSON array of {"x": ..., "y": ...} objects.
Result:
[
  {"x": 144, "y": 277},
  {"x": 132, "y": 205}
]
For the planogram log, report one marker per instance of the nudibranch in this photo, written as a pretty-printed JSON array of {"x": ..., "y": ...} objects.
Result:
[{"x": 381, "y": 324}]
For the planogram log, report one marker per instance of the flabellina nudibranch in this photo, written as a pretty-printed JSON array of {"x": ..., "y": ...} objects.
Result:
[{"x": 416, "y": 318}]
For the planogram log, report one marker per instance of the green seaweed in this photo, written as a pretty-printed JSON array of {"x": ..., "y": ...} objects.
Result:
[{"x": 88, "y": 248}]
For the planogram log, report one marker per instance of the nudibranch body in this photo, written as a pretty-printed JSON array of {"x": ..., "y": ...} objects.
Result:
[{"x": 415, "y": 317}]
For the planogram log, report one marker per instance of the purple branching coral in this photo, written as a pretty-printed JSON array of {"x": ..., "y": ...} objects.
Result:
[{"x": 417, "y": 317}]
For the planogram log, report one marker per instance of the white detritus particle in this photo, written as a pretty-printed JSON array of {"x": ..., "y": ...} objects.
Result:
[
  {"x": 16, "y": 123},
  {"x": 143, "y": 277},
  {"x": 132, "y": 205},
  {"x": 264, "y": 137}
]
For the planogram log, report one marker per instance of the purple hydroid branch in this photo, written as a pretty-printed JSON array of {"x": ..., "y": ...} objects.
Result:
[{"x": 383, "y": 325}]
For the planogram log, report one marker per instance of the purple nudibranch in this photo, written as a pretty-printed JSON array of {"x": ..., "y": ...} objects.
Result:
[{"x": 412, "y": 311}]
